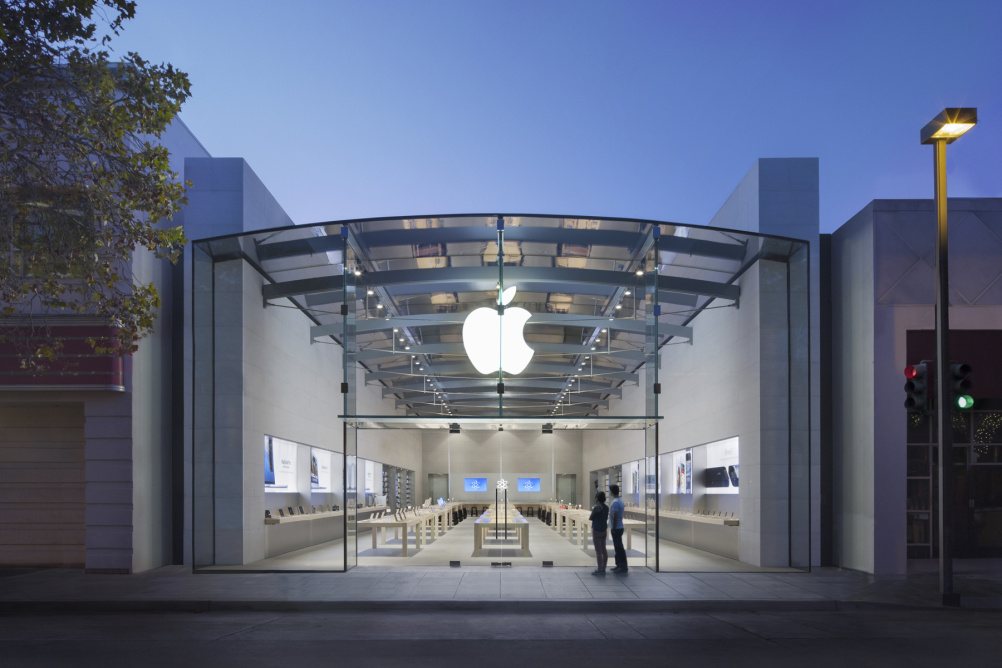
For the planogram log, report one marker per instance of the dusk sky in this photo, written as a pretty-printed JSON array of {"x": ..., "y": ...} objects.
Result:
[{"x": 627, "y": 108}]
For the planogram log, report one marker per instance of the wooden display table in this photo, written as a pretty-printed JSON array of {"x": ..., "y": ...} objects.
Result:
[
  {"x": 417, "y": 523},
  {"x": 500, "y": 519}
]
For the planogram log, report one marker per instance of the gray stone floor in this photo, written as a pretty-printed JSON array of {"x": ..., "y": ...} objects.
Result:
[
  {"x": 571, "y": 588},
  {"x": 545, "y": 544}
]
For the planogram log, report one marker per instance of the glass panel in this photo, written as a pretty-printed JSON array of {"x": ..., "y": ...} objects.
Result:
[
  {"x": 918, "y": 461},
  {"x": 919, "y": 491},
  {"x": 651, "y": 482},
  {"x": 961, "y": 427},
  {"x": 987, "y": 454},
  {"x": 919, "y": 428},
  {"x": 352, "y": 270},
  {"x": 613, "y": 307},
  {"x": 351, "y": 496},
  {"x": 988, "y": 427}
]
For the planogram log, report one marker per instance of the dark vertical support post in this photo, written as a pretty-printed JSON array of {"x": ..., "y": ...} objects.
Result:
[
  {"x": 495, "y": 517},
  {"x": 500, "y": 308},
  {"x": 944, "y": 407}
]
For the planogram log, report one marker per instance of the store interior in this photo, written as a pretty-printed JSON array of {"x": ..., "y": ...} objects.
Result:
[{"x": 304, "y": 494}]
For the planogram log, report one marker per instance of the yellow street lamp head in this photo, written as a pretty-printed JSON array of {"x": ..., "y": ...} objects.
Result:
[{"x": 949, "y": 124}]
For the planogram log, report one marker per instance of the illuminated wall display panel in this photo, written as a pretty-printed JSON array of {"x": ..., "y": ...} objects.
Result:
[
  {"x": 475, "y": 484},
  {"x": 370, "y": 477},
  {"x": 681, "y": 472},
  {"x": 280, "y": 456},
  {"x": 320, "y": 470},
  {"x": 722, "y": 471},
  {"x": 528, "y": 485},
  {"x": 631, "y": 479}
]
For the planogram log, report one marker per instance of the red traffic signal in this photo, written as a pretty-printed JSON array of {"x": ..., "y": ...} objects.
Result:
[{"x": 917, "y": 387}]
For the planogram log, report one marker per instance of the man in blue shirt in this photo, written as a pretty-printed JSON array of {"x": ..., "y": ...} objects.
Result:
[{"x": 616, "y": 526}]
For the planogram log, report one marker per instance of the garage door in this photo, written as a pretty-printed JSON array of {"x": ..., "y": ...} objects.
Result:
[{"x": 42, "y": 485}]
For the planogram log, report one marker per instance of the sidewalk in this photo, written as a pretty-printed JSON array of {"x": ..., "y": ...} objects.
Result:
[{"x": 979, "y": 583}]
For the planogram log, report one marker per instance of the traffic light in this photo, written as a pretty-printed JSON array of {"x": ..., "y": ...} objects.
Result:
[
  {"x": 960, "y": 385},
  {"x": 917, "y": 387}
]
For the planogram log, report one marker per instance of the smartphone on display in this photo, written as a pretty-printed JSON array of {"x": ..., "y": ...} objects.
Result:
[
  {"x": 732, "y": 471},
  {"x": 269, "y": 464},
  {"x": 717, "y": 477}
]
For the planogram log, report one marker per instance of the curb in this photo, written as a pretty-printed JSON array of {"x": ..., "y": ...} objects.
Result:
[{"x": 423, "y": 605}]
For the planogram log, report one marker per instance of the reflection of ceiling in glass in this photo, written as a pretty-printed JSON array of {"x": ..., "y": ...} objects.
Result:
[{"x": 589, "y": 284}]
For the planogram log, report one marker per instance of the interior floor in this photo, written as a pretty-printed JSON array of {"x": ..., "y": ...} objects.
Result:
[{"x": 545, "y": 544}]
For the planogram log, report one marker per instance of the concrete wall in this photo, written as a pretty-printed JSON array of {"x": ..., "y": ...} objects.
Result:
[
  {"x": 396, "y": 447},
  {"x": 700, "y": 406},
  {"x": 129, "y": 437},
  {"x": 513, "y": 453},
  {"x": 781, "y": 196}
]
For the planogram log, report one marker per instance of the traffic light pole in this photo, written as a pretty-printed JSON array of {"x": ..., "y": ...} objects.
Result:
[{"x": 944, "y": 407}]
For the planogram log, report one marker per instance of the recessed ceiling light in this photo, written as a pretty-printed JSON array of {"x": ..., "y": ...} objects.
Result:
[
  {"x": 603, "y": 330},
  {"x": 627, "y": 293},
  {"x": 619, "y": 306},
  {"x": 358, "y": 272},
  {"x": 395, "y": 330},
  {"x": 640, "y": 272},
  {"x": 593, "y": 347},
  {"x": 369, "y": 292},
  {"x": 379, "y": 306},
  {"x": 408, "y": 348}
]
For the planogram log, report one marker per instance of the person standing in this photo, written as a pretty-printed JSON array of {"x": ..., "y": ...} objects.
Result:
[
  {"x": 599, "y": 524},
  {"x": 616, "y": 526}
]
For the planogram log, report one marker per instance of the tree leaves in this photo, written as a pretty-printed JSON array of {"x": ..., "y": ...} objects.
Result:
[{"x": 84, "y": 184}]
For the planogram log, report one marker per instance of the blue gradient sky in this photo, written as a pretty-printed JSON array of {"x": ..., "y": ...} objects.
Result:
[{"x": 628, "y": 108}]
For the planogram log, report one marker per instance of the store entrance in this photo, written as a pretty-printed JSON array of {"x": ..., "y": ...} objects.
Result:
[{"x": 481, "y": 497}]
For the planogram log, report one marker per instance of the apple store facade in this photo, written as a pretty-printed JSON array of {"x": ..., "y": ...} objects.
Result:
[{"x": 457, "y": 389}]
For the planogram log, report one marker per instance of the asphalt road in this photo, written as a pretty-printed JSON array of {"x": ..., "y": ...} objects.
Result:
[{"x": 441, "y": 638}]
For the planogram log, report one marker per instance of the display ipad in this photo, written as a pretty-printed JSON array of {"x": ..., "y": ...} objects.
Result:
[
  {"x": 475, "y": 485},
  {"x": 528, "y": 485},
  {"x": 717, "y": 477}
]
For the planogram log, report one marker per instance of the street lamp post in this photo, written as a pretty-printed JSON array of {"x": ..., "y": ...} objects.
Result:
[{"x": 940, "y": 131}]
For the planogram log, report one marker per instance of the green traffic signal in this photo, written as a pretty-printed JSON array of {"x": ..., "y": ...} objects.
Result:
[{"x": 965, "y": 401}]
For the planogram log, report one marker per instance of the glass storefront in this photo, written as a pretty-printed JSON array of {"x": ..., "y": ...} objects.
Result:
[{"x": 378, "y": 362}]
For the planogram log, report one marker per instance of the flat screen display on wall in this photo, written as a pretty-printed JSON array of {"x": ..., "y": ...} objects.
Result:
[
  {"x": 722, "y": 473},
  {"x": 528, "y": 484},
  {"x": 680, "y": 477},
  {"x": 281, "y": 457},
  {"x": 475, "y": 484},
  {"x": 320, "y": 469}
]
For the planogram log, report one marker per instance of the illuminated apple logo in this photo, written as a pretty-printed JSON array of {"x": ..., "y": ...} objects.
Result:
[{"x": 495, "y": 341}]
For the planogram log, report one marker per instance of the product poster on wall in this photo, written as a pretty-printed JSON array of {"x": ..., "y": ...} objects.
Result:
[
  {"x": 681, "y": 472},
  {"x": 630, "y": 479},
  {"x": 722, "y": 467},
  {"x": 282, "y": 455},
  {"x": 269, "y": 461},
  {"x": 320, "y": 469},
  {"x": 369, "y": 476}
]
